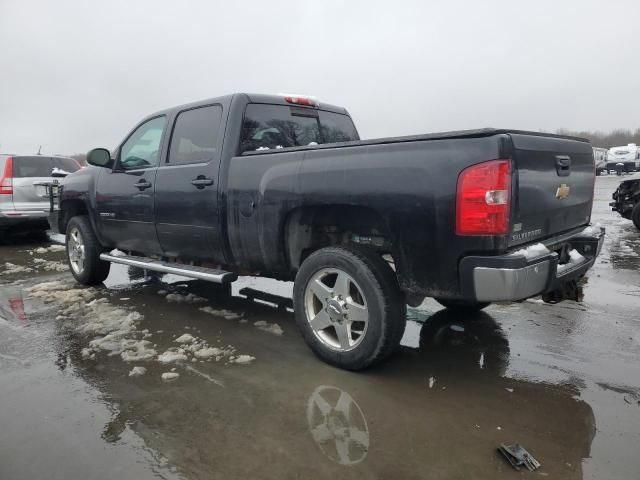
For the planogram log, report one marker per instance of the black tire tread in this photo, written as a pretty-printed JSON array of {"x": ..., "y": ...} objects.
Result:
[{"x": 96, "y": 270}]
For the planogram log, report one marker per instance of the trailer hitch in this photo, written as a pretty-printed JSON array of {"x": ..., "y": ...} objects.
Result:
[{"x": 570, "y": 290}]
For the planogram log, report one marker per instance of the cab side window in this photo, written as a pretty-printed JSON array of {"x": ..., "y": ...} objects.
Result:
[
  {"x": 195, "y": 135},
  {"x": 142, "y": 148}
]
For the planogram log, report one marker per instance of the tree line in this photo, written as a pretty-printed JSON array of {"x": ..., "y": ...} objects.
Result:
[{"x": 610, "y": 139}]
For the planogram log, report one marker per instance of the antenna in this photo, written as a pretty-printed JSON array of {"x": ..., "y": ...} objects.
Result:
[{"x": 39, "y": 148}]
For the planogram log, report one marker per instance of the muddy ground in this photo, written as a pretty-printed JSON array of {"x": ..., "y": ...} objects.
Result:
[{"x": 251, "y": 401}]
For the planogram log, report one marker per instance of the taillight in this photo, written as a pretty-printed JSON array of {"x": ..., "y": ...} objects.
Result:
[
  {"x": 483, "y": 198},
  {"x": 6, "y": 181}
]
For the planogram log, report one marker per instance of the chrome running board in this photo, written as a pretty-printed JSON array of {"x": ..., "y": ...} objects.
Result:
[{"x": 201, "y": 273}]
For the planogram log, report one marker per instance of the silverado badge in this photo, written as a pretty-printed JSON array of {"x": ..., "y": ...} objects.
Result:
[{"x": 563, "y": 191}]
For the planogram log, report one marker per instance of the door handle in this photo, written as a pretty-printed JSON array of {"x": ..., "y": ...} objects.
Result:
[
  {"x": 142, "y": 184},
  {"x": 201, "y": 181}
]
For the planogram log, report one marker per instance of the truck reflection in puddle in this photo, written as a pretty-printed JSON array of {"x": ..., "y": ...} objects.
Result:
[
  {"x": 290, "y": 415},
  {"x": 338, "y": 425}
]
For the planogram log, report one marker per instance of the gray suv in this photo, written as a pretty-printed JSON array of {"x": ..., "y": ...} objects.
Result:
[{"x": 22, "y": 201}]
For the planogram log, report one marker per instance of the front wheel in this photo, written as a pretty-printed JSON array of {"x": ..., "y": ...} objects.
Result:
[
  {"x": 83, "y": 252},
  {"x": 463, "y": 306},
  {"x": 349, "y": 307}
]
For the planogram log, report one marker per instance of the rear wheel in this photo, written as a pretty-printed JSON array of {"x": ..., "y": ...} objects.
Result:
[
  {"x": 349, "y": 307},
  {"x": 635, "y": 215},
  {"x": 83, "y": 252},
  {"x": 462, "y": 305}
]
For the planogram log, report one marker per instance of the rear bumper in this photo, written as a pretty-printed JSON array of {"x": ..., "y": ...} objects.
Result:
[
  {"x": 515, "y": 277},
  {"x": 10, "y": 218}
]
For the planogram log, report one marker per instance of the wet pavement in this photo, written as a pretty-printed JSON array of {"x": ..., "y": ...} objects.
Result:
[{"x": 562, "y": 380}]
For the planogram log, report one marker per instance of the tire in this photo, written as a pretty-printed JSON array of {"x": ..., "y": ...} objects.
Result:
[
  {"x": 462, "y": 306},
  {"x": 635, "y": 215},
  {"x": 598, "y": 172},
  {"x": 83, "y": 252},
  {"x": 362, "y": 301}
]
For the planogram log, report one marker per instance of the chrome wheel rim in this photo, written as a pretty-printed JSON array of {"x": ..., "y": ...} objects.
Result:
[
  {"x": 336, "y": 309},
  {"x": 75, "y": 250}
]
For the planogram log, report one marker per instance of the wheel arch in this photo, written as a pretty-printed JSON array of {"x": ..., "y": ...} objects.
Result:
[{"x": 310, "y": 228}]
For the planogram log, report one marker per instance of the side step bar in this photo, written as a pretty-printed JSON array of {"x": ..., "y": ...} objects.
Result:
[{"x": 201, "y": 273}]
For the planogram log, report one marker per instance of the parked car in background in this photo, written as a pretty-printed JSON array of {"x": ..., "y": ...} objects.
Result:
[
  {"x": 626, "y": 201},
  {"x": 628, "y": 155},
  {"x": 600, "y": 159},
  {"x": 24, "y": 199}
]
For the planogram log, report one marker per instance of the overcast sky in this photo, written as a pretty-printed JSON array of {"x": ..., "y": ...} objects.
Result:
[{"x": 78, "y": 74}]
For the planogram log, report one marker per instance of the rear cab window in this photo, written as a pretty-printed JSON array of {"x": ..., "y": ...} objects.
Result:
[{"x": 267, "y": 127}]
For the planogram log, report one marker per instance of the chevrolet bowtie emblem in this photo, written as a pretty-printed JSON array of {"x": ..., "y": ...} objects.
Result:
[{"x": 563, "y": 191}]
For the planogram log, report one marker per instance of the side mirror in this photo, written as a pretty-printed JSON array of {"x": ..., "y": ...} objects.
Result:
[{"x": 99, "y": 157}]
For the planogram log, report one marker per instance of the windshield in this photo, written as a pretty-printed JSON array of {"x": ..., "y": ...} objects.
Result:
[{"x": 268, "y": 127}]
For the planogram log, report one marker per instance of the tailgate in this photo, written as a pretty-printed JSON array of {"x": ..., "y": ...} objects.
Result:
[
  {"x": 30, "y": 194},
  {"x": 553, "y": 186}
]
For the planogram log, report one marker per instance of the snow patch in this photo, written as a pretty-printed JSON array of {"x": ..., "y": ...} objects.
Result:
[
  {"x": 169, "y": 376},
  {"x": 227, "y": 314},
  {"x": 243, "y": 359},
  {"x": 137, "y": 371},
  {"x": 574, "y": 259},
  {"x": 88, "y": 354},
  {"x": 171, "y": 356},
  {"x": 269, "y": 327},
  {"x": 208, "y": 352},
  {"x": 50, "y": 249},
  {"x": 186, "y": 338},
  {"x": 49, "y": 265},
  {"x": 533, "y": 251},
  {"x": 12, "y": 268},
  {"x": 592, "y": 230},
  {"x": 114, "y": 328},
  {"x": 137, "y": 350}
]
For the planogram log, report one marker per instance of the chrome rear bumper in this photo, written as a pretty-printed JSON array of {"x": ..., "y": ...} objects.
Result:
[{"x": 516, "y": 276}]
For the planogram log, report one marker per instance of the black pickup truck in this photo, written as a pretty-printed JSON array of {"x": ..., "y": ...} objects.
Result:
[{"x": 282, "y": 187}]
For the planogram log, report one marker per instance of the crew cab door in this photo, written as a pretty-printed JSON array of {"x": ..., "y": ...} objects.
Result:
[
  {"x": 187, "y": 216},
  {"x": 124, "y": 195}
]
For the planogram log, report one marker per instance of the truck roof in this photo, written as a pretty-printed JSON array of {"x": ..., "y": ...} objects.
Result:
[{"x": 251, "y": 97}]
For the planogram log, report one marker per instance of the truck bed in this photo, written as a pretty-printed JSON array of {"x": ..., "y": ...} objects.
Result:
[{"x": 453, "y": 134}]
